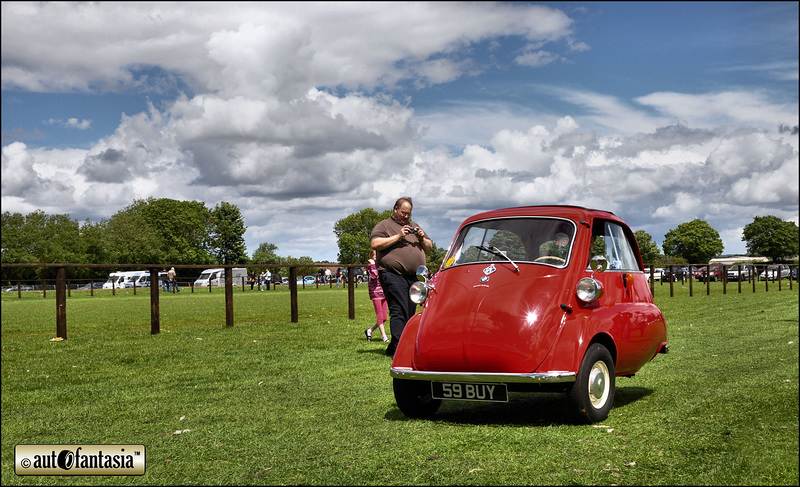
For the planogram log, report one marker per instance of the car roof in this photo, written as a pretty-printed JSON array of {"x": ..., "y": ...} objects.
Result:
[{"x": 576, "y": 213}]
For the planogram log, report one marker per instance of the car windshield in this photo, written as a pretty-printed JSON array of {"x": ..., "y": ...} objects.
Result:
[{"x": 545, "y": 241}]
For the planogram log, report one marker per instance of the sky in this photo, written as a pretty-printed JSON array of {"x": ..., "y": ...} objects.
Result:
[{"x": 302, "y": 113}]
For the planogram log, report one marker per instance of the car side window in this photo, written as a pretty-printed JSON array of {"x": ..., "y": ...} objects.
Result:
[{"x": 610, "y": 241}]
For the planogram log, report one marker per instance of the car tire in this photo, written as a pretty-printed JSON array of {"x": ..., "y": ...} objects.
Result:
[
  {"x": 592, "y": 394},
  {"x": 414, "y": 398}
]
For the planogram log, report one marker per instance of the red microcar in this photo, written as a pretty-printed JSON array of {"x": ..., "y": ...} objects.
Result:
[{"x": 537, "y": 298}]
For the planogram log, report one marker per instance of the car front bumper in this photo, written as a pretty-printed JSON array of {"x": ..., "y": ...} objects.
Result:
[{"x": 532, "y": 378}]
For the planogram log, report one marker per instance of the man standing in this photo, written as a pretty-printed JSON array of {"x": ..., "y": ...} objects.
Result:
[
  {"x": 173, "y": 279},
  {"x": 401, "y": 246},
  {"x": 164, "y": 280}
]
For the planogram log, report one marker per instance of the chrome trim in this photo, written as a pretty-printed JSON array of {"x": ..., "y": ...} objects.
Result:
[{"x": 532, "y": 378}]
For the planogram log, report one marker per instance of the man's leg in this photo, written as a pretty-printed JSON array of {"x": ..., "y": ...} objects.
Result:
[{"x": 401, "y": 308}]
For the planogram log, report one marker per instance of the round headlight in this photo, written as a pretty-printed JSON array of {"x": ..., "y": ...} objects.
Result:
[
  {"x": 418, "y": 292},
  {"x": 588, "y": 289}
]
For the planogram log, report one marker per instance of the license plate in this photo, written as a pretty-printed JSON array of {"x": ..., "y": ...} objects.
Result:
[{"x": 470, "y": 391}]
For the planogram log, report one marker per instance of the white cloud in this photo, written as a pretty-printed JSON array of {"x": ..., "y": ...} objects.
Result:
[
  {"x": 284, "y": 118},
  {"x": 731, "y": 107}
]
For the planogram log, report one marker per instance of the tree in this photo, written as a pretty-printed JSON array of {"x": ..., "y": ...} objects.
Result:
[
  {"x": 183, "y": 226},
  {"x": 434, "y": 258},
  {"x": 353, "y": 235},
  {"x": 648, "y": 248},
  {"x": 130, "y": 239},
  {"x": 695, "y": 241},
  {"x": 771, "y": 237},
  {"x": 227, "y": 234},
  {"x": 305, "y": 267},
  {"x": 160, "y": 231},
  {"x": 39, "y": 237},
  {"x": 265, "y": 254}
]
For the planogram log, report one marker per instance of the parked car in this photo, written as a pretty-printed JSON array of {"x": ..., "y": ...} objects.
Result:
[
  {"x": 772, "y": 272},
  {"x": 657, "y": 272},
  {"x": 676, "y": 274},
  {"x": 91, "y": 285},
  {"x": 12, "y": 289},
  {"x": 740, "y": 272},
  {"x": 712, "y": 273},
  {"x": 541, "y": 298},
  {"x": 358, "y": 272},
  {"x": 794, "y": 273},
  {"x": 307, "y": 280}
]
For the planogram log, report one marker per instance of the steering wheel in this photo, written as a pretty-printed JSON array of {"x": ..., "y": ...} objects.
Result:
[{"x": 555, "y": 259}]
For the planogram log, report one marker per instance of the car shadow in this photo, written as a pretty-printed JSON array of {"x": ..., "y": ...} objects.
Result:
[
  {"x": 522, "y": 409},
  {"x": 375, "y": 351}
]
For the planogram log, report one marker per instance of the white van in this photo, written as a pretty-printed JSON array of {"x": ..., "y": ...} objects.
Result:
[
  {"x": 217, "y": 277},
  {"x": 121, "y": 280},
  {"x": 139, "y": 278},
  {"x": 115, "y": 279}
]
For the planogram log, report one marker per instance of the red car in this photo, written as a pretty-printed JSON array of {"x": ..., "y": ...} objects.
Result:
[
  {"x": 538, "y": 298},
  {"x": 714, "y": 273}
]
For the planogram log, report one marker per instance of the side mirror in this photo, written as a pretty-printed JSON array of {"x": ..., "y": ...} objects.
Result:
[
  {"x": 598, "y": 263},
  {"x": 423, "y": 274}
]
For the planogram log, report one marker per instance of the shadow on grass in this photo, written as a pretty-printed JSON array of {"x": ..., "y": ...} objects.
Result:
[
  {"x": 522, "y": 409},
  {"x": 376, "y": 351}
]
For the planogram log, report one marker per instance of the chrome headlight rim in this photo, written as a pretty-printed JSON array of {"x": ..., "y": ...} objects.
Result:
[
  {"x": 588, "y": 289},
  {"x": 419, "y": 292}
]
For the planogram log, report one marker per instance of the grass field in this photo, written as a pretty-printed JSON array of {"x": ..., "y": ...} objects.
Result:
[{"x": 270, "y": 402}]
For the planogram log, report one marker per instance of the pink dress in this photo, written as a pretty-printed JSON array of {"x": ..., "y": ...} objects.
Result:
[{"x": 376, "y": 294}]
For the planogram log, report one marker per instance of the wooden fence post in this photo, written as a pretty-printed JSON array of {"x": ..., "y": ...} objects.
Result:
[
  {"x": 61, "y": 303},
  {"x": 293, "y": 292},
  {"x": 155, "y": 320},
  {"x": 351, "y": 286},
  {"x": 228, "y": 296},
  {"x": 671, "y": 281}
]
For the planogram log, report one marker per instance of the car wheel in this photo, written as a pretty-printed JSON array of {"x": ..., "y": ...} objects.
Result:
[
  {"x": 414, "y": 398},
  {"x": 592, "y": 394}
]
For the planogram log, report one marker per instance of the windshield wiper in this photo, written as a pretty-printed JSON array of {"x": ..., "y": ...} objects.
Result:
[{"x": 494, "y": 250}]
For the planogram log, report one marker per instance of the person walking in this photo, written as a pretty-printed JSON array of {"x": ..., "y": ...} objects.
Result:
[
  {"x": 173, "y": 279},
  {"x": 378, "y": 299},
  {"x": 400, "y": 246}
]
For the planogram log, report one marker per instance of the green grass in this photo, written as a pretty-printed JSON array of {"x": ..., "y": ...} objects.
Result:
[{"x": 270, "y": 402}]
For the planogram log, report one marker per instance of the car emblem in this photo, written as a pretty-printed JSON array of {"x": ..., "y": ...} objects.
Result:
[
  {"x": 485, "y": 279},
  {"x": 489, "y": 269}
]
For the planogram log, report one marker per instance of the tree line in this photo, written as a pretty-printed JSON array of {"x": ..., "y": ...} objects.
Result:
[
  {"x": 152, "y": 231},
  {"x": 168, "y": 232},
  {"x": 696, "y": 242}
]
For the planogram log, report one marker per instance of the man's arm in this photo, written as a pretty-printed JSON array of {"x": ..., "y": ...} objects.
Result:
[
  {"x": 383, "y": 243},
  {"x": 427, "y": 244}
]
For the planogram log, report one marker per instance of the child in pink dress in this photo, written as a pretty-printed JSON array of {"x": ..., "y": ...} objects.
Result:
[{"x": 378, "y": 299}]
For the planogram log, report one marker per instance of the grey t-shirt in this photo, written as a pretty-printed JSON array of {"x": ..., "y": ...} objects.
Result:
[{"x": 405, "y": 256}]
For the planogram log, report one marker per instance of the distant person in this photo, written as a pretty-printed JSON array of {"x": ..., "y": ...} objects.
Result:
[
  {"x": 252, "y": 280},
  {"x": 173, "y": 279},
  {"x": 164, "y": 280},
  {"x": 267, "y": 278},
  {"x": 401, "y": 246},
  {"x": 378, "y": 299}
]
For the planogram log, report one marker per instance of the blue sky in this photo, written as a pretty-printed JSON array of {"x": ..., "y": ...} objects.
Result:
[{"x": 662, "y": 112}]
